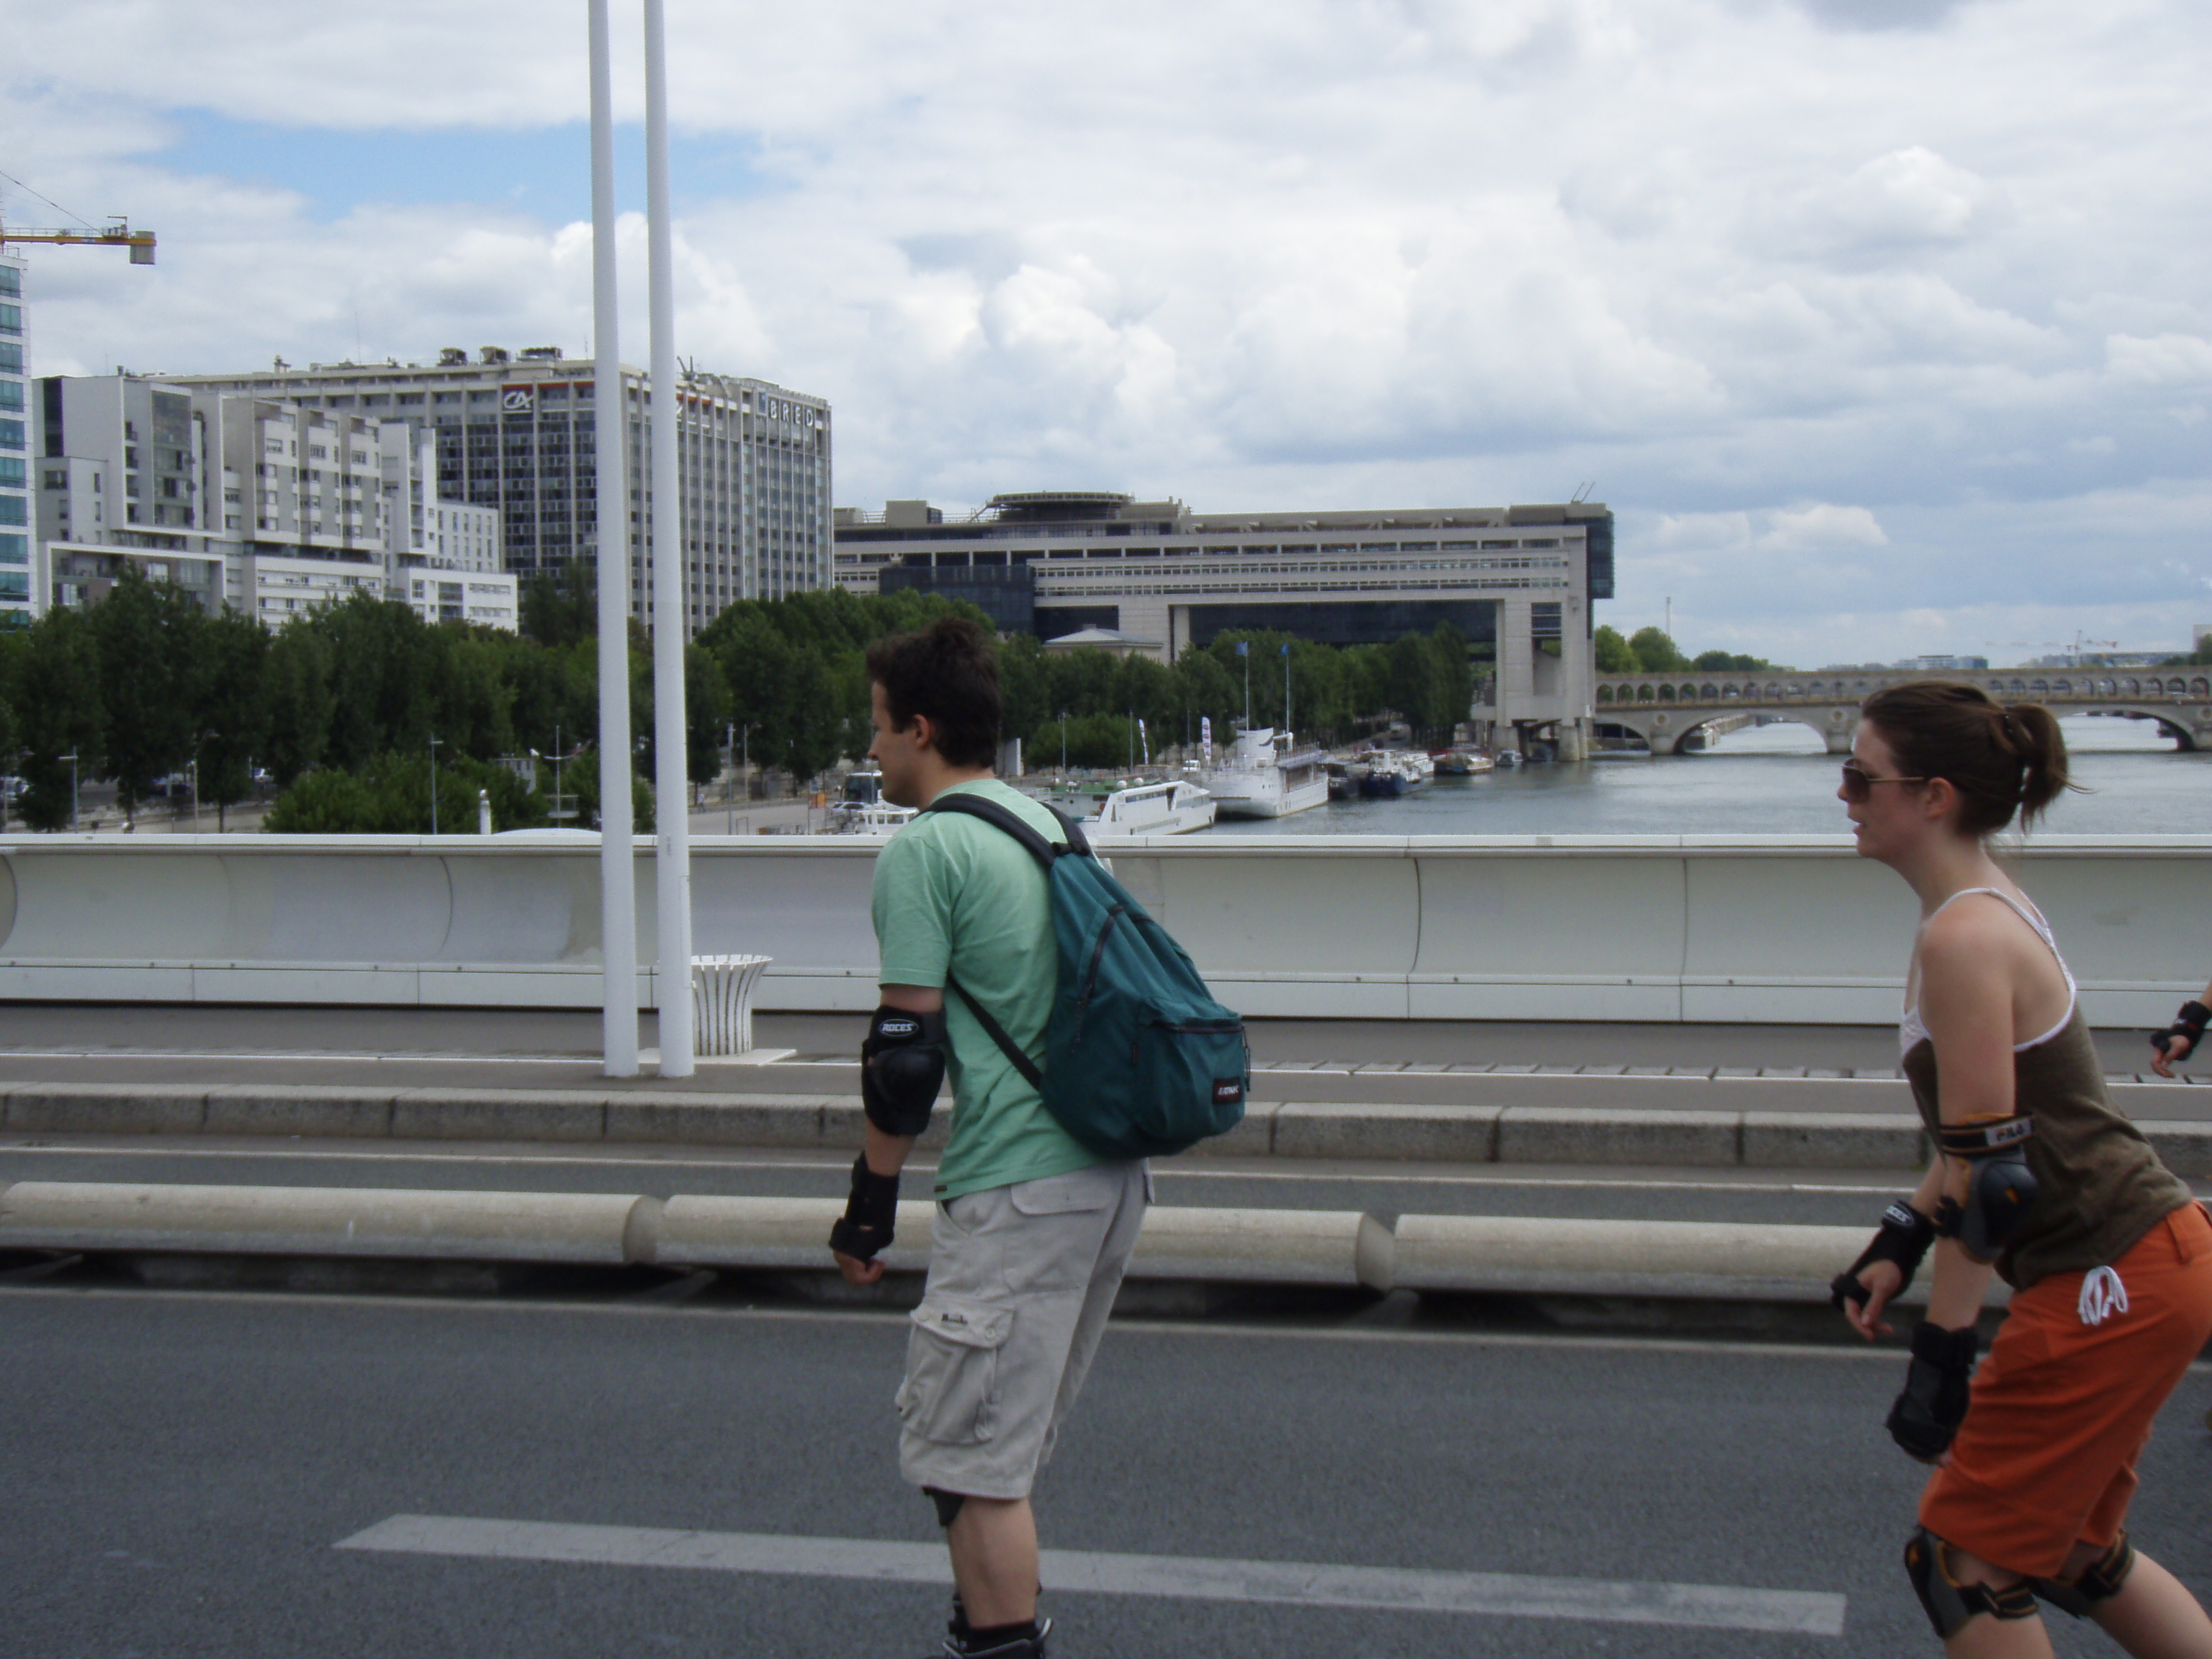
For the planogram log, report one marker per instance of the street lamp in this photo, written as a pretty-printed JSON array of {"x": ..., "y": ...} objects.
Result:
[
  {"x": 1063, "y": 746},
  {"x": 71, "y": 758},
  {"x": 434, "y": 783}
]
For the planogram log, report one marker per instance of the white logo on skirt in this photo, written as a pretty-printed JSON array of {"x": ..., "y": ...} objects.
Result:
[{"x": 2102, "y": 1296}]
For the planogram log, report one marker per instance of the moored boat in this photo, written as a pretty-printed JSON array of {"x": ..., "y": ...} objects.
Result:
[
  {"x": 1263, "y": 776},
  {"x": 1171, "y": 806}
]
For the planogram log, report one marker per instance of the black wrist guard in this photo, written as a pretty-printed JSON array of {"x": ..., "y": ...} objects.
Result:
[
  {"x": 1933, "y": 1404},
  {"x": 2189, "y": 1022},
  {"x": 1904, "y": 1237},
  {"x": 870, "y": 1213}
]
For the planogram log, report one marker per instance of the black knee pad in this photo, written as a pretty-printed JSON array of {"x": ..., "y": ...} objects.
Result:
[
  {"x": 948, "y": 1503},
  {"x": 2098, "y": 1581},
  {"x": 1950, "y": 1604}
]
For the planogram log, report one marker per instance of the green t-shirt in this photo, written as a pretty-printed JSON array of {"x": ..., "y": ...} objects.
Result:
[{"x": 955, "y": 894}]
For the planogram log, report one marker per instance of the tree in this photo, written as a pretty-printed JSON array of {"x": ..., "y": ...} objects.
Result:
[
  {"x": 581, "y": 780},
  {"x": 233, "y": 715},
  {"x": 60, "y": 711},
  {"x": 390, "y": 796},
  {"x": 1613, "y": 653},
  {"x": 1656, "y": 652},
  {"x": 300, "y": 699},
  {"x": 560, "y": 606},
  {"x": 147, "y": 634},
  {"x": 706, "y": 714},
  {"x": 1723, "y": 662}
]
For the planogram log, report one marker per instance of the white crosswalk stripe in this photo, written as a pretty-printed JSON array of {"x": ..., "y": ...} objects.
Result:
[{"x": 1709, "y": 1606}]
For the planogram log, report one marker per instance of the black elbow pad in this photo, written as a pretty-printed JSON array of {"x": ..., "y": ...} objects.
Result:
[{"x": 902, "y": 1068}]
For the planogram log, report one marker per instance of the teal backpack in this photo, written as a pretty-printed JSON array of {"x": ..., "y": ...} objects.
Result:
[{"x": 1140, "y": 1061}]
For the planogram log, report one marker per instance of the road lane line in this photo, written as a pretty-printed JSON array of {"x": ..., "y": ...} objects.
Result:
[{"x": 1290, "y": 1583}]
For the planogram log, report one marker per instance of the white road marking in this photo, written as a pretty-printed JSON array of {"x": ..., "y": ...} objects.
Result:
[{"x": 1706, "y": 1606}]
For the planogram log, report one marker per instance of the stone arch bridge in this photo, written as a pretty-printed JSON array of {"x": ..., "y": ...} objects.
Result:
[{"x": 1664, "y": 708}]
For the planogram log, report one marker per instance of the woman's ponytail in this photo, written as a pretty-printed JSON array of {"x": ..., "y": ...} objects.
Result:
[{"x": 2032, "y": 734}]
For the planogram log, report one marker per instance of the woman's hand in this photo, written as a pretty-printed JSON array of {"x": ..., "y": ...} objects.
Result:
[
  {"x": 1883, "y": 1279},
  {"x": 2177, "y": 1048}
]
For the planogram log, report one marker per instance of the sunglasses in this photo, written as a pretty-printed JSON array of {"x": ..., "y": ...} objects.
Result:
[{"x": 1858, "y": 782}]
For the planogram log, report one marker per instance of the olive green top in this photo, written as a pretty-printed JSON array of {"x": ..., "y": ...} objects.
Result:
[{"x": 2100, "y": 1187}]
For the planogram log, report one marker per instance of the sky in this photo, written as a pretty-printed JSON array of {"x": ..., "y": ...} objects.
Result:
[{"x": 1883, "y": 326}]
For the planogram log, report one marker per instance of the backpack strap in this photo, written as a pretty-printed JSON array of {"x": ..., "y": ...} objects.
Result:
[
  {"x": 1011, "y": 1049},
  {"x": 999, "y": 815},
  {"x": 1002, "y": 817}
]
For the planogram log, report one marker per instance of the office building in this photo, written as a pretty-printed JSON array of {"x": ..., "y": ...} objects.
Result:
[
  {"x": 516, "y": 432},
  {"x": 1517, "y": 582},
  {"x": 15, "y": 588},
  {"x": 255, "y": 503}
]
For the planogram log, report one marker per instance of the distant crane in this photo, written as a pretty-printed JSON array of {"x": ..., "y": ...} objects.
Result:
[
  {"x": 2074, "y": 649},
  {"x": 118, "y": 234}
]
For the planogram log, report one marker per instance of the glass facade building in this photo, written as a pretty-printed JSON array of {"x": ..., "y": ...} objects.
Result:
[{"x": 16, "y": 480}]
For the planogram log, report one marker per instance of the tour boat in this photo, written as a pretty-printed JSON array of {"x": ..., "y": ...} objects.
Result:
[
  {"x": 1172, "y": 806},
  {"x": 1263, "y": 776}
]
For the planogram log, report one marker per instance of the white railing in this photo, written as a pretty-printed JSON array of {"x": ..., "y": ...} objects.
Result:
[{"x": 1580, "y": 928}]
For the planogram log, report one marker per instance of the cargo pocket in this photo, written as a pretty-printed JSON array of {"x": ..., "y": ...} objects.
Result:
[{"x": 950, "y": 1395}]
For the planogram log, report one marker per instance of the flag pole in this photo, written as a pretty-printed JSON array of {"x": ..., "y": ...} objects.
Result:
[{"x": 617, "y": 854}]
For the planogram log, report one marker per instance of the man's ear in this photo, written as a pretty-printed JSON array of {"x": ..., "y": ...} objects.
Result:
[{"x": 924, "y": 730}]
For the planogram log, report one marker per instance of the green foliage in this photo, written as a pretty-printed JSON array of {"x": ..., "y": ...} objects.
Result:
[
  {"x": 59, "y": 710},
  {"x": 300, "y": 698},
  {"x": 559, "y": 607},
  {"x": 1612, "y": 653},
  {"x": 581, "y": 778},
  {"x": 147, "y": 637},
  {"x": 1723, "y": 662},
  {"x": 1108, "y": 742},
  {"x": 390, "y": 796},
  {"x": 706, "y": 715},
  {"x": 233, "y": 714},
  {"x": 1656, "y": 652}
]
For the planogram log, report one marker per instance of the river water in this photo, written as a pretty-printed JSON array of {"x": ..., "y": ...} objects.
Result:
[{"x": 1770, "y": 779}]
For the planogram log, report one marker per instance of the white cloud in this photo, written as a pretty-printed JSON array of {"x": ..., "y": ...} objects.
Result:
[{"x": 1847, "y": 304}]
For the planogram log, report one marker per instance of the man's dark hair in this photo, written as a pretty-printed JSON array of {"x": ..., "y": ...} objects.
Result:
[{"x": 949, "y": 671}]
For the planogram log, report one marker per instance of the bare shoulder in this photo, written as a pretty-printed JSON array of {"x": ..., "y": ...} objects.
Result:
[{"x": 1974, "y": 940}]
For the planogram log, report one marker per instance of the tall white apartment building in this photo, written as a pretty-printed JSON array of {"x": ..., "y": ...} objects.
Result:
[
  {"x": 255, "y": 503},
  {"x": 516, "y": 432},
  {"x": 16, "y": 584}
]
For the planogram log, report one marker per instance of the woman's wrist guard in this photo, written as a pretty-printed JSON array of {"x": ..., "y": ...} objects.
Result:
[
  {"x": 1904, "y": 1237},
  {"x": 2189, "y": 1022}
]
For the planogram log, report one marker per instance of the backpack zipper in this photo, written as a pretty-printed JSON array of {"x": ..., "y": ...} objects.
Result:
[{"x": 1090, "y": 974}]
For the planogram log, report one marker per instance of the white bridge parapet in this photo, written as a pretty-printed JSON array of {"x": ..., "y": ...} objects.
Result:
[
  {"x": 1665, "y": 708},
  {"x": 1578, "y": 928}
]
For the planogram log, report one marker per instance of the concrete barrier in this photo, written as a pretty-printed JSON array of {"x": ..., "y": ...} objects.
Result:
[
  {"x": 1610, "y": 928},
  {"x": 1351, "y": 1131},
  {"x": 1341, "y": 1248},
  {"x": 774, "y": 1232},
  {"x": 1520, "y": 1255},
  {"x": 346, "y": 1221}
]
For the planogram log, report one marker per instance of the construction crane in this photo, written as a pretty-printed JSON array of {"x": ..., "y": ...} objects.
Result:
[{"x": 118, "y": 234}]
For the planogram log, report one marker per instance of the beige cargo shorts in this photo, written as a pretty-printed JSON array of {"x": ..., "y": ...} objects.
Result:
[{"x": 1021, "y": 1279}]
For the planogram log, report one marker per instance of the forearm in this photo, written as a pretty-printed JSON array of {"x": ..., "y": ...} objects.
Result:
[
  {"x": 886, "y": 1153},
  {"x": 1957, "y": 1287}
]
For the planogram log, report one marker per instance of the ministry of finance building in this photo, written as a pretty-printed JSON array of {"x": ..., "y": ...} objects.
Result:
[
  {"x": 1518, "y": 581},
  {"x": 516, "y": 431}
]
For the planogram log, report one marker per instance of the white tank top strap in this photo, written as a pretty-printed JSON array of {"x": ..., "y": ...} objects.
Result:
[{"x": 1910, "y": 1030}]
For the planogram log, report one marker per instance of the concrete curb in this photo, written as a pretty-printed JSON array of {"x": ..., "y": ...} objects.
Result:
[
  {"x": 1296, "y": 1129},
  {"x": 1339, "y": 1250}
]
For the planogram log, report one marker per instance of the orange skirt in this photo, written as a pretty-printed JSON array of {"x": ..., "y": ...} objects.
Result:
[{"x": 2062, "y": 1409}]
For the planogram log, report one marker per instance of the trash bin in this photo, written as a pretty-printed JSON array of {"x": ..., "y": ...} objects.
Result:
[{"x": 722, "y": 1003}]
